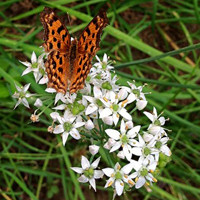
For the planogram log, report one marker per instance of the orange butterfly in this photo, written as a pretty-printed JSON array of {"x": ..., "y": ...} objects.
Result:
[{"x": 69, "y": 62}]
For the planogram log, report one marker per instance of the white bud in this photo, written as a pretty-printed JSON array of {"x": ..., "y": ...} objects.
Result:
[
  {"x": 153, "y": 129},
  {"x": 38, "y": 103},
  {"x": 121, "y": 155},
  {"x": 89, "y": 124},
  {"x": 108, "y": 145},
  {"x": 129, "y": 124},
  {"x": 94, "y": 149},
  {"x": 141, "y": 104}
]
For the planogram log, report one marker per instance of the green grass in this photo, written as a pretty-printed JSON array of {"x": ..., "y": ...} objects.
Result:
[{"x": 33, "y": 161}]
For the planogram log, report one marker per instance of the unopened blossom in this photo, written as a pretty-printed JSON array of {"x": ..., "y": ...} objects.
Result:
[
  {"x": 157, "y": 122},
  {"x": 123, "y": 139},
  {"x": 88, "y": 172},
  {"x": 143, "y": 172},
  {"x": 94, "y": 149},
  {"x": 38, "y": 103},
  {"x": 118, "y": 177},
  {"x": 68, "y": 126},
  {"x": 22, "y": 95},
  {"x": 89, "y": 124}
]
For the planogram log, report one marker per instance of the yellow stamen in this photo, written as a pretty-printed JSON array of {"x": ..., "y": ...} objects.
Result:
[
  {"x": 126, "y": 127},
  {"x": 112, "y": 175},
  {"x": 122, "y": 184},
  {"x": 118, "y": 167},
  {"x": 136, "y": 179},
  {"x": 122, "y": 145},
  {"x": 130, "y": 182},
  {"x": 117, "y": 115},
  {"x": 109, "y": 184},
  {"x": 147, "y": 184},
  {"x": 116, "y": 96},
  {"x": 151, "y": 171},
  {"x": 105, "y": 99},
  {"x": 123, "y": 102},
  {"x": 154, "y": 179},
  {"x": 125, "y": 176}
]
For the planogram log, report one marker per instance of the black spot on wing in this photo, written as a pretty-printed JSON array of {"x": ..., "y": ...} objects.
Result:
[
  {"x": 88, "y": 31},
  {"x": 60, "y": 69},
  {"x": 58, "y": 45},
  {"x": 60, "y": 61},
  {"x": 60, "y": 29}
]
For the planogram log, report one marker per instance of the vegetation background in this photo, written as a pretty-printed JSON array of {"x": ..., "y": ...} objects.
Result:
[{"x": 33, "y": 163}]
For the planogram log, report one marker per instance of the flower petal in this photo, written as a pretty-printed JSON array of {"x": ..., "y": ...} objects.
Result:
[
  {"x": 113, "y": 134},
  {"x": 141, "y": 181},
  {"x": 75, "y": 134},
  {"x": 98, "y": 174},
  {"x": 105, "y": 113},
  {"x": 64, "y": 137},
  {"x": 58, "y": 129},
  {"x": 116, "y": 146},
  {"x": 108, "y": 171},
  {"x": 95, "y": 163},
  {"x": 33, "y": 58},
  {"x": 85, "y": 162},
  {"x": 83, "y": 179},
  {"x": 119, "y": 187},
  {"x": 123, "y": 112},
  {"x": 93, "y": 183},
  {"x": 78, "y": 170}
]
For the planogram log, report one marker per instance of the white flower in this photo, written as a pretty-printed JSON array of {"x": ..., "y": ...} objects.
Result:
[
  {"x": 36, "y": 66},
  {"x": 95, "y": 101},
  {"x": 162, "y": 146},
  {"x": 31, "y": 67},
  {"x": 68, "y": 126},
  {"x": 104, "y": 64},
  {"x": 94, "y": 149},
  {"x": 123, "y": 139},
  {"x": 21, "y": 95},
  {"x": 146, "y": 150},
  {"x": 88, "y": 171},
  {"x": 143, "y": 172},
  {"x": 114, "y": 108},
  {"x": 137, "y": 95},
  {"x": 118, "y": 176},
  {"x": 38, "y": 103},
  {"x": 157, "y": 122}
]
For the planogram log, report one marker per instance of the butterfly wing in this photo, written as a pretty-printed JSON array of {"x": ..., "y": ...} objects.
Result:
[
  {"x": 56, "y": 36},
  {"x": 88, "y": 45},
  {"x": 57, "y": 43}
]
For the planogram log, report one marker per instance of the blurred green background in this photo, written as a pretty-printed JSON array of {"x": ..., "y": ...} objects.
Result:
[{"x": 33, "y": 162}]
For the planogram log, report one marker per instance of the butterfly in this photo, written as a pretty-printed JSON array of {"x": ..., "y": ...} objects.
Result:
[{"x": 69, "y": 61}]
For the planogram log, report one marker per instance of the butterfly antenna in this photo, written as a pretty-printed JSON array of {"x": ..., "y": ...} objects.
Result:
[{"x": 69, "y": 19}]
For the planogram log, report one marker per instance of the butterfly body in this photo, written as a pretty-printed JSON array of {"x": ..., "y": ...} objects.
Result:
[{"x": 69, "y": 62}]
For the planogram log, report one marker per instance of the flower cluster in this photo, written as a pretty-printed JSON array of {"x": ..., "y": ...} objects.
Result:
[{"x": 104, "y": 110}]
